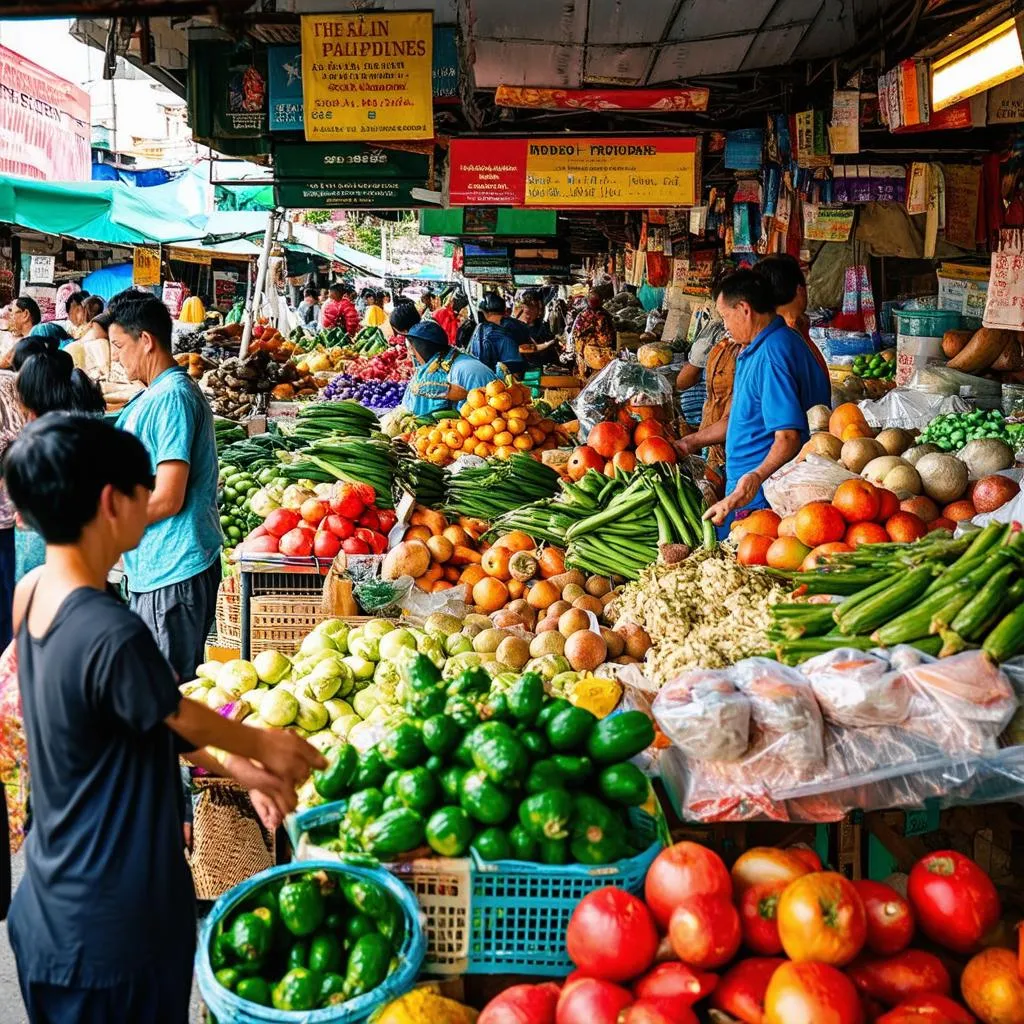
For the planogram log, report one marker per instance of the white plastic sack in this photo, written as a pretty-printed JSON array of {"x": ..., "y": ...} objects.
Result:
[
  {"x": 792, "y": 486},
  {"x": 909, "y": 409}
]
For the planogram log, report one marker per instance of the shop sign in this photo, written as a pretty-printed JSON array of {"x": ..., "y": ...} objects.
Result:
[
  {"x": 203, "y": 259},
  {"x": 146, "y": 266},
  {"x": 827, "y": 224},
  {"x": 346, "y": 161},
  {"x": 689, "y": 99},
  {"x": 45, "y": 123},
  {"x": 227, "y": 90},
  {"x": 603, "y": 172},
  {"x": 41, "y": 269},
  {"x": 1004, "y": 306},
  {"x": 352, "y": 194},
  {"x": 367, "y": 77},
  {"x": 1006, "y": 102}
]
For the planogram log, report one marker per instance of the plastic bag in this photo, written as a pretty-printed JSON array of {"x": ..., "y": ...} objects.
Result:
[
  {"x": 936, "y": 379},
  {"x": 910, "y": 409},
  {"x": 856, "y": 688},
  {"x": 704, "y": 715},
  {"x": 621, "y": 384},
  {"x": 794, "y": 485}
]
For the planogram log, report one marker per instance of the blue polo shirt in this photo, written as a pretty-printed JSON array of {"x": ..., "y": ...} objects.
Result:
[
  {"x": 174, "y": 421},
  {"x": 777, "y": 381},
  {"x": 493, "y": 344}
]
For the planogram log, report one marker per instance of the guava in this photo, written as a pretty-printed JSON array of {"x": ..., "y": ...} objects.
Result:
[{"x": 271, "y": 666}]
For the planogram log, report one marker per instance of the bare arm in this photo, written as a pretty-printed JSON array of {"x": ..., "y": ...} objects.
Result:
[
  {"x": 272, "y": 798},
  {"x": 688, "y": 376},
  {"x": 713, "y": 433},
  {"x": 785, "y": 445},
  {"x": 168, "y": 496}
]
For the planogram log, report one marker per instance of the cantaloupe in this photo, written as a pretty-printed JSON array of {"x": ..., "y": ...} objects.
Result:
[{"x": 944, "y": 477}]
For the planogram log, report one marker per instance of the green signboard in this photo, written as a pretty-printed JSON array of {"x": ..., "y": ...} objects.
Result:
[
  {"x": 365, "y": 194},
  {"x": 349, "y": 161}
]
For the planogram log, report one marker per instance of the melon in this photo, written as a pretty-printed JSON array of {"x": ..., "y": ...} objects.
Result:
[
  {"x": 985, "y": 456},
  {"x": 895, "y": 440},
  {"x": 944, "y": 477},
  {"x": 859, "y": 451}
]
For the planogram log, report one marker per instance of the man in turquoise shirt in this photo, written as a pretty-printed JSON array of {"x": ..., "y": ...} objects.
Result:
[
  {"x": 444, "y": 375},
  {"x": 174, "y": 573}
]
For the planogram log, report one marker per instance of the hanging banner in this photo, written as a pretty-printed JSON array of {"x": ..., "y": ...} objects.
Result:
[
  {"x": 690, "y": 99},
  {"x": 351, "y": 194},
  {"x": 146, "y": 266},
  {"x": 606, "y": 172},
  {"x": 349, "y": 160},
  {"x": 367, "y": 77},
  {"x": 227, "y": 96},
  {"x": 827, "y": 224}
]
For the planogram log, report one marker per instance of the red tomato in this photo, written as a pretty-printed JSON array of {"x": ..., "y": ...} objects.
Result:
[
  {"x": 992, "y": 988},
  {"x": 705, "y": 931},
  {"x": 807, "y": 855},
  {"x": 954, "y": 901},
  {"x": 758, "y": 906},
  {"x": 810, "y": 993},
  {"x": 890, "y": 919},
  {"x": 822, "y": 918},
  {"x": 387, "y": 518},
  {"x": 346, "y": 501},
  {"x": 766, "y": 864},
  {"x": 591, "y": 1001},
  {"x": 683, "y": 870},
  {"x": 378, "y": 542},
  {"x": 675, "y": 980},
  {"x": 611, "y": 935},
  {"x": 260, "y": 531},
  {"x": 740, "y": 992},
  {"x": 522, "y": 1004},
  {"x": 658, "y": 1011},
  {"x": 355, "y": 546},
  {"x": 313, "y": 511},
  {"x": 298, "y": 543},
  {"x": 281, "y": 520},
  {"x": 370, "y": 519},
  {"x": 340, "y": 526},
  {"x": 892, "y": 979},
  {"x": 928, "y": 1009},
  {"x": 264, "y": 545},
  {"x": 326, "y": 544}
]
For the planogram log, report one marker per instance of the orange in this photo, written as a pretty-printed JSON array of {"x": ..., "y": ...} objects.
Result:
[
  {"x": 763, "y": 522},
  {"x": 514, "y": 426},
  {"x": 476, "y": 398},
  {"x": 582, "y": 459},
  {"x": 922, "y": 507},
  {"x": 942, "y": 523},
  {"x": 626, "y": 461},
  {"x": 502, "y": 439},
  {"x": 542, "y": 594},
  {"x": 485, "y": 433},
  {"x": 844, "y": 416},
  {"x": 646, "y": 429},
  {"x": 786, "y": 553},
  {"x": 787, "y": 526},
  {"x": 753, "y": 550},
  {"x": 495, "y": 387},
  {"x": 958, "y": 511},
  {"x": 819, "y": 555},
  {"x": 516, "y": 541},
  {"x": 888, "y": 504},
  {"x": 854, "y": 430},
  {"x": 866, "y": 533},
  {"x": 857, "y": 500},
  {"x": 656, "y": 449},
  {"x": 472, "y": 574},
  {"x": 552, "y": 562},
  {"x": 501, "y": 402},
  {"x": 495, "y": 562},
  {"x": 819, "y": 522},
  {"x": 905, "y": 527},
  {"x": 490, "y": 594},
  {"x": 524, "y": 442}
]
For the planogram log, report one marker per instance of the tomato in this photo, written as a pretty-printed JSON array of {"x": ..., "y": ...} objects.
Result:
[
  {"x": 591, "y": 1001},
  {"x": 658, "y": 1011},
  {"x": 522, "y": 1004},
  {"x": 807, "y": 856},
  {"x": 809, "y": 993},
  {"x": 267, "y": 544},
  {"x": 821, "y": 918},
  {"x": 766, "y": 864},
  {"x": 281, "y": 520},
  {"x": 705, "y": 931},
  {"x": 325, "y": 544},
  {"x": 297, "y": 542},
  {"x": 611, "y": 935},
  {"x": 892, "y": 979},
  {"x": 340, "y": 526},
  {"x": 741, "y": 990},
  {"x": 890, "y": 919},
  {"x": 675, "y": 980},
  {"x": 682, "y": 870},
  {"x": 927, "y": 1009},
  {"x": 992, "y": 988},
  {"x": 370, "y": 519},
  {"x": 954, "y": 901},
  {"x": 758, "y": 906}
]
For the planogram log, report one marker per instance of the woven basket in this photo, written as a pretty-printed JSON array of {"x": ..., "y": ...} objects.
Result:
[
  {"x": 281, "y": 622},
  {"x": 229, "y": 844},
  {"x": 229, "y": 613}
]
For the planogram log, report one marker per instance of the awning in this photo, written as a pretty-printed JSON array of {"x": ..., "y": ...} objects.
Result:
[{"x": 371, "y": 266}]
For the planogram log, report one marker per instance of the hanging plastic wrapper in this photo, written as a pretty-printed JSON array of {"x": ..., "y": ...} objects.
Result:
[
  {"x": 796, "y": 484},
  {"x": 623, "y": 385}
]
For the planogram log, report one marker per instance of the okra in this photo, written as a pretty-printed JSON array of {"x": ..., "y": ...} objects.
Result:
[
  {"x": 944, "y": 617},
  {"x": 979, "y": 612},
  {"x": 1007, "y": 638},
  {"x": 847, "y": 606},
  {"x": 916, "y": 621},
  {"x": 877, "y": 610}
]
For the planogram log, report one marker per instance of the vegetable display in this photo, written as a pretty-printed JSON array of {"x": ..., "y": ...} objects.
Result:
[
  {"x": 486, "y": 492},
  {"x": 375, "y": 394},
  {"x": 233, "y": 386},
  {"x": 875, "y": 366},
  {"x": 314, "y": 939}
]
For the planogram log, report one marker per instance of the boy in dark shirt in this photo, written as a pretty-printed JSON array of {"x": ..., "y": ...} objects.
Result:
[{"x": 103, "y": 924}]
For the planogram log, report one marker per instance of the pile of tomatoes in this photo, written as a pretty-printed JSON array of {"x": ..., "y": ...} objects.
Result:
[{"x": 816, "y": 947}]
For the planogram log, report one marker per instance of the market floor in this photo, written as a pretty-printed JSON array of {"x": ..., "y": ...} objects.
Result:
[{"x": 12, "y": 1011}]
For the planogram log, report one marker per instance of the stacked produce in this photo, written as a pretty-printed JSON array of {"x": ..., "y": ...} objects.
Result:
[
  {"x": 953, "y": 430},
  {"x": 333, "y": 337},
  {"x": 816, "y": 947},
  {"x": 496, "y": 420},
  {"x": 618, "y": 525},
  {"x": 435, "y": 553},
  {"x": 392, "y": 364},
  {"x": 344, "y": 418},
  {"x": 622, "y": 444},
  {"x": 233, "y": 386},
  {"x": 227, "y": 432},
  {"x": 373, "y": 393},
  {"x": 352, "y": 459},
  {"x": 423, "y": 480},
  {"x": 309, "y": 940},
  {"x": 486, "y": 492},
  {"x": 939, "y": 595},
  {"x": 236, "y": 488},
  {"x": 510, "y": 773},
  {"x": 320, "y": 360},
  {"x": 875, "y": 366}
]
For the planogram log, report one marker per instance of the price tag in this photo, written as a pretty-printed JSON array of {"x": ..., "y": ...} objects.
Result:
[{"x": 41, "y": 269}]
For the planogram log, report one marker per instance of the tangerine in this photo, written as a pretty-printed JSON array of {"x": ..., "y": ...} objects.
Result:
[
  {"x": 819, "y": 555},
  {"x": 819, "y": 522},
  {"x": 857, "y": 500},
  {"x": 905, "y": 527},
  {"x": 490, "y": 594},
  {"x": 753, "y": 549},
  {"x": 607, "y": 438},
  {"x": 656, "y": 449},
  {"x": 542, "y": 594},
  {"x": 922, "y": 507},
  {"x": 648, "y": 428},
  {"x": 888, "y": 504}
]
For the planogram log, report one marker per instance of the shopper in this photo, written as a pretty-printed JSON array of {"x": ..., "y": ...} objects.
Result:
[
  {"x": 374, "y": 315},
  {"x": 492, "y": 343},
  {"x": 403, "y": 318},
  {"x": 12, "y": 419},
  {"x": 451, "y": 313},
  {"x": 309, "y": 309},
  {"x": 22, "y": 315},
  {"x": 444, "y": 375},
  {"x": 540, "y": 339},
  {"x": 103, "y": 924},
  {"x": 48, "y": 380},
  {"x": 77, "y": 317},
  {"x": 592, "y": 326},
  {"x": 174, "y": 573},
  {"x": 93, "y": 306},
  {"x": 53, "y": 331},
  {"x": 777, "y": 381}
]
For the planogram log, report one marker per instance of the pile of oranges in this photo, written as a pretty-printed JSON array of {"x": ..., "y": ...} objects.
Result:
[
  {"x": 623, "y": 443},
  {"x": 859, "y": 513},
  {"x": 497, "y": 420}
]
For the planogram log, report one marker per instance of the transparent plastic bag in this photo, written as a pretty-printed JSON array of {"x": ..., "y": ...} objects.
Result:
[
  {"x": 794, "y": 485},
  {"x": 704, "y": 715},
  {"x": 910, "y": 409},
  {"x": 622, "y": 383},
  {"x": 857, "y": 688}
]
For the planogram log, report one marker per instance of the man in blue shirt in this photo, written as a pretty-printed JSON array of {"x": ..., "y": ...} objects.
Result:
[
  {"x": 174, "y": 573},
  {"x": 492, "y": 341},
  {"x": 444, "y": 375},
  {"x": 777, "y": 381}
]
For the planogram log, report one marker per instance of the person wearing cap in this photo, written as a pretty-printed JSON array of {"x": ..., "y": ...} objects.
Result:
[
  {"x": 492, "y": 343},
  {"x": 443, "y": 375}
]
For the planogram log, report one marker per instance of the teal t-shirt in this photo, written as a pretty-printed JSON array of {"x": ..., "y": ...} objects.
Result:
[
  {"x": 425, "y": 393},
  {"x": 175, "y": 423}
]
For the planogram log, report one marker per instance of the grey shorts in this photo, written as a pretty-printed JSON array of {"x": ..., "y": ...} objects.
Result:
[{"x": 180, "y": 617}]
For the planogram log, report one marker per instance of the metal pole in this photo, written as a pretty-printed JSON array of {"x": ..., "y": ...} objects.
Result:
[{"x": 261, "y": 279}]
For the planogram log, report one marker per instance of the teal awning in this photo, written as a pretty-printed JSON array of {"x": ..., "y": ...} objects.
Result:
[{"x": 97, "y": 211}]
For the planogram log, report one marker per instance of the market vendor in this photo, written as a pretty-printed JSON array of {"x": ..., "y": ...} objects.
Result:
[
  {"x": 776, "y": 381},
  {"x": 541, "y": 340},
  {"x": 444, "y": 375},
  {"x": 492, "y": 342},
  {"x": 593, "y": 326}
]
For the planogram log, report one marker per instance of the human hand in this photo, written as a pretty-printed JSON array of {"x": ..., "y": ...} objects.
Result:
[
  {"x": 268, "y": 810},
  {"x": 687, "y": 446},
  {"x": 271, "y": 797},
  {"x": 744, "y": 493},
  {"x": 287, "y": 756}
]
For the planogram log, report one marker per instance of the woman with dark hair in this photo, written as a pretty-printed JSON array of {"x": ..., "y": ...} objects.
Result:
[
  {"x": 93, "y": 306},
  {"x": 403, "y": 318},
  {"x": 443, "y": 375},
  {"x": 49, "y": 381}
]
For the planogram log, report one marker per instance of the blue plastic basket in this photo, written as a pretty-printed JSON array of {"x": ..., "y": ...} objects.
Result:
[{"x": 230, "y": 1009}]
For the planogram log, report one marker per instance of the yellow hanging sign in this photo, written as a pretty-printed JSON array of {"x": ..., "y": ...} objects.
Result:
[
  {"x": 146, "y": 266},
  {"x": 367, "y": 77}
]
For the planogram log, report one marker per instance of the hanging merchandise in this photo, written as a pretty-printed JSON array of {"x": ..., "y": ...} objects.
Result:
[
  {"x": 658, "y": 269},
  {"x": 743, "y": 149},
  {"x": 844, "y": 131},
  {"x": 746, "y": 227},
  {"x": 858, "y": 303},
  {"x": 1004, "y": 306}
]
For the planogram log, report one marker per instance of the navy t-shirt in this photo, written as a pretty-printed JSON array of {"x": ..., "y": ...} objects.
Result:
[
  {"x": 106, "y": 892},
  {"x": 492, "y": 344}
]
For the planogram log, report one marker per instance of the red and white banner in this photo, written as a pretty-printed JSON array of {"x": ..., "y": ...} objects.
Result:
[{"x": 45, "y": 129}]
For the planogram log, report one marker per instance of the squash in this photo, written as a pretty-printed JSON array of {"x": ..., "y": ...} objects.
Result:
[
  {"x": 192, "y": 311},
  {"x": 954, "y": 342},
  {"x": 1011, "y": 358},
  {"x": 981, "y": 351}
]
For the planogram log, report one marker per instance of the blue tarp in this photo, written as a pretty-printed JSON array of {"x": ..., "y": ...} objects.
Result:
[{"x": 106, "y": 283}]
